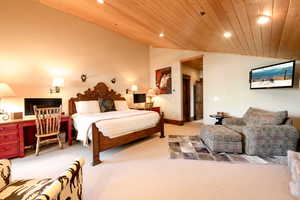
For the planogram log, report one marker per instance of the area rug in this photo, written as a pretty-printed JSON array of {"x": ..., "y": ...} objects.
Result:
[{"x": 192, "y": 148}]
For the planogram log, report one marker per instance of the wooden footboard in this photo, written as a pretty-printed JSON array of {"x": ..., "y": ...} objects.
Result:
[{"x": 101, "y": 143}]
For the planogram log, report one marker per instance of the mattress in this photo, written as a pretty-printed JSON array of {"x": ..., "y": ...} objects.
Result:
[{"x": 113, "y": 124}]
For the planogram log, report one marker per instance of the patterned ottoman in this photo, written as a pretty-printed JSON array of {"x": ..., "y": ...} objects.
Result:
[{"x": 221, "y": 139}]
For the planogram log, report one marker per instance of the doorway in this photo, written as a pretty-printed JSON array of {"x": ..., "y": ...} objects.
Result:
[
  {"x": 192, "y": 88},
  {"x": 186, "y": 97}
]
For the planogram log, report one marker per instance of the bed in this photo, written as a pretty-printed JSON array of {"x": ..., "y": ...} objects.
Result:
[{"x": 122, "y": 125}]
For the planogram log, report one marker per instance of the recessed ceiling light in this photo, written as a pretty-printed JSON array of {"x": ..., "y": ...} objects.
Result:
[
  {"x": 100, "y": 1},
  {"x": 227, "y": 34},
  {"x": 263, "y": 19},
  {"x": 161, "y": 35}
]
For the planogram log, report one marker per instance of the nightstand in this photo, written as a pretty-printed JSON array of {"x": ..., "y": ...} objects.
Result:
[
  {"x": 156, "y": 109},
  {"x": 219, "y": 118}
]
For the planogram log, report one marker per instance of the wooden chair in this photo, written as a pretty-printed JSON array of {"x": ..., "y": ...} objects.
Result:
[{"x": 47, "y": 125}]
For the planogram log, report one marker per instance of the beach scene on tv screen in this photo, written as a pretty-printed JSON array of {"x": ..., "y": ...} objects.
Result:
[{"x": 275, "y": 76}]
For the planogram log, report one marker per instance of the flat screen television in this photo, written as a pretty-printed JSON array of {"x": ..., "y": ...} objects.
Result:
[
  {"x": 273, "y": 76},
  {"x": 40, "y": 103},
  {"x": 139, "y": 98}
]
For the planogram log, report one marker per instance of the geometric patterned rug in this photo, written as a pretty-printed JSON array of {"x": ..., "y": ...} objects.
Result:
[{"x": 192, "y": 148}]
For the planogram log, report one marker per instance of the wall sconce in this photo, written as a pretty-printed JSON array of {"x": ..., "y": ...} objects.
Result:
[
  {"x": 57, "y": 84},
  {"x": 133, "y": 89},
  {"x": 83, "y": 77}
]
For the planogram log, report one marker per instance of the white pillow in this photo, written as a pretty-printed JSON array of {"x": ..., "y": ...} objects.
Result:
[
  {"x": 87, "y": 107},
  {"x": 121, "y": 105},
  {"x": 294, "y": 170},
  {"x": 292, "y": 156}
]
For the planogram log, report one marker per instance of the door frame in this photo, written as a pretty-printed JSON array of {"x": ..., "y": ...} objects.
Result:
[
  {"x": 186, "y": 77},
  {"x": 182, "y": 61},
  {"x": 195, "y": 115}
]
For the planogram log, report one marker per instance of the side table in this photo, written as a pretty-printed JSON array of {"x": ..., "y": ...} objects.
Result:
[{"x": 219, "y": 118}]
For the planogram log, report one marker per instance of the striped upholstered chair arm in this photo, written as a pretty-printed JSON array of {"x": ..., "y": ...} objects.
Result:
[
  {"x": 5, "y": 173},
  {"x": 66, "y": 186}
]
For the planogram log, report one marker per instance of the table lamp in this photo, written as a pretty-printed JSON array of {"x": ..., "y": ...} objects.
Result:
[
  {"x": 133, "y": 89},
  {"x": 151, "y": 93},
  {"x": 5, "y": 91}
]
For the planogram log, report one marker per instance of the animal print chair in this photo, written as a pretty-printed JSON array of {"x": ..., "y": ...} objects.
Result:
[{"x": 67, "y": 186}]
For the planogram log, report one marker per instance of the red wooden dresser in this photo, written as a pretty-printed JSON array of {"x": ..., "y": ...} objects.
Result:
[
  {"x": 13, "y": 134},
  {"x": 10, "y": 141}
]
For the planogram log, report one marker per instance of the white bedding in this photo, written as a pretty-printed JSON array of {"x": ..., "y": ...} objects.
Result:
[{"x": 114, "y": 124}]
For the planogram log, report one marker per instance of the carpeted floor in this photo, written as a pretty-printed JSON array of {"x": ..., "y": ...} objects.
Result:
[
  {"x": 143, "y": 170},
  {"x": 193, "y": 148}
]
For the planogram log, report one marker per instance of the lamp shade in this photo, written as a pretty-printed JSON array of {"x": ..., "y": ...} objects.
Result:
[
  {"x": 6, "y": 91},
  {"x": 134, "y": 88},
  {"x": 151, "y": 92},
  {"x": 58, "y": 82}
]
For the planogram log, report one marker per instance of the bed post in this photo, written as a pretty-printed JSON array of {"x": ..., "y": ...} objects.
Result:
[
  {"x": 162, "y": 126},
  {"x": 96, "y": 145}
]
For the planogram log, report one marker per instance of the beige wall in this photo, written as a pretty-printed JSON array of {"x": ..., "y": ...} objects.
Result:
[
  {"x": 226, "y": 86},
  {"x": 160, "y": 58},
  {"x": 39, "y": 43}
]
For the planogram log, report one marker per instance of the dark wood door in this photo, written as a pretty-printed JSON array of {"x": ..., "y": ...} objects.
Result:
[
  {"x": 186, "y": 98},
  {"x": 198, "y": 100}
]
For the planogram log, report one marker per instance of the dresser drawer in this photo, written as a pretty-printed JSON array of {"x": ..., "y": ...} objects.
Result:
[
  {"x": 8, "y": 127},
  {"x": 9, "y": 150},
  {"x": 9, "y": 136}
]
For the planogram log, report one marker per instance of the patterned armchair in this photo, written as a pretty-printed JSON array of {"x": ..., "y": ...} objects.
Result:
[
  {"x": 67, "y": 186},
  {"x": 4, "y": 173},
  {"x": 264, "y": 132}
]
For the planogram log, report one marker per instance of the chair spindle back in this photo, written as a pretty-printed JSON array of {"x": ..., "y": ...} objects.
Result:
[{"x": 47, "y": 120}]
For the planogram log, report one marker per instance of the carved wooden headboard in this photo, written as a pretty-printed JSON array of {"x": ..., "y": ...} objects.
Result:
[{"x": 100, "y": 91}]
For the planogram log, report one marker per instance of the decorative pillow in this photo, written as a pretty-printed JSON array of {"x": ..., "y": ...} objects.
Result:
[
  {"x": 87, "y": 107},
  {"x": 121, "y": 105},
  {"x": 260, "y": 117},
  {"x": 106, "y": 105}
]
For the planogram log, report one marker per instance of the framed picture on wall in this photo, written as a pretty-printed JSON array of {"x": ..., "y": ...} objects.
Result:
[{"x": 164, "y": 80}]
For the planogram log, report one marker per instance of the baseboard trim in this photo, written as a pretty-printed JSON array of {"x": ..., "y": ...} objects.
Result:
[{"x": 175, "y": 122}]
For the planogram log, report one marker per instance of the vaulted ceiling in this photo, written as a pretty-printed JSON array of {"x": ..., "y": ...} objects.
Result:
[{"x": 186, "y": 28}]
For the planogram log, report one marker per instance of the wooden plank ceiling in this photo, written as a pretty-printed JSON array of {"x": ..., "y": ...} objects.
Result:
[
  {"x": 195, "y": 62},
  {"x": 185, "y": 28}
]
